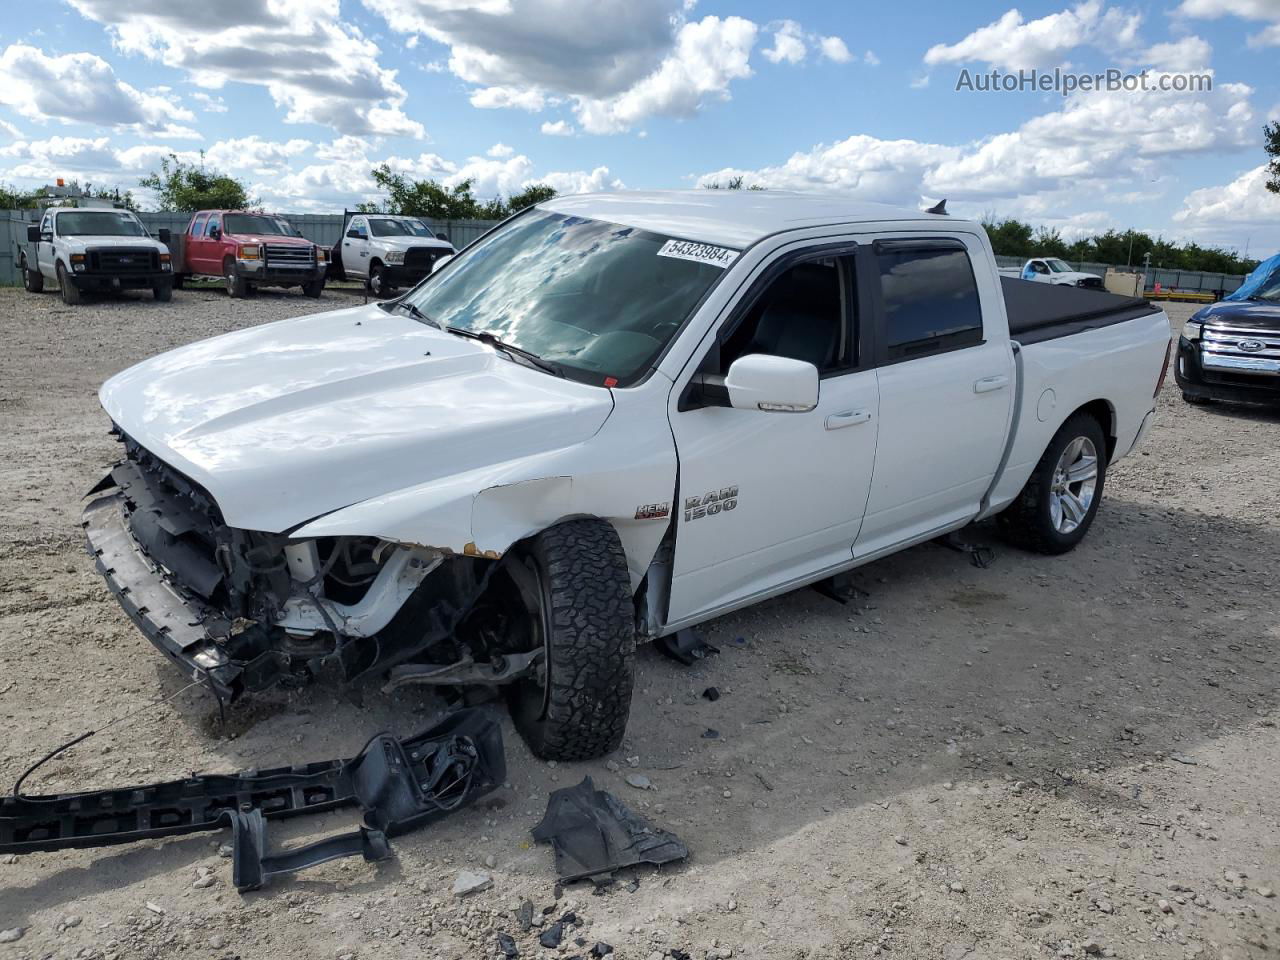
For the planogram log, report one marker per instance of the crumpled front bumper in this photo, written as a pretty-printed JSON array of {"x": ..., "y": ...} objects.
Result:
[{"x": 181, "y": 627}]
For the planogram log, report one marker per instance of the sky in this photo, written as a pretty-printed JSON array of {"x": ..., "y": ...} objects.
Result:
[{"x": 302, "y": 98}]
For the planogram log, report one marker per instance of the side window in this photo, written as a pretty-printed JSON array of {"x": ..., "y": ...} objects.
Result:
[
  {"x": 197, "y": 225},
  {"x": 46, "y": 225},
  {"x": 801, "y": 314},
  {"x": 215, "y": 221},
  {"x": 360, "y": 226},
  {"x": 930, "y": 298}
]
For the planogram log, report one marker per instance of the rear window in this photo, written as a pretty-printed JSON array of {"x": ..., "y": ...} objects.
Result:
[{"x": 930, "y": 298}]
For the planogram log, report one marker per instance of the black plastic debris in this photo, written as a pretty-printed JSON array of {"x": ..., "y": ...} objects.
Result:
[
  {"x": 601, "y": 949},
  {"x": 524, "y": 916},
  {"x": 979, "y": 556},
  {"x": 551, "y": 937},
  {"x": 686, "y": 646},
  {"x": 398, "y": 784},
  {"x": 711, "y": 693},
  {"x": 594, "y": 834},
  {"x": 711, "y": 733},
  {"x": 677, "y": 954},
  {"x": 570, "y": 917},
  {"x": 508, "y": 946}
]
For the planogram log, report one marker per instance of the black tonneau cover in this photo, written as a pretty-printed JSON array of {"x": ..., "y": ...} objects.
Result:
[{"x": 1042, "y": 311}]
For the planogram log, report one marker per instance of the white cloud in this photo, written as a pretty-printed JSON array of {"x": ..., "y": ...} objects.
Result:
[
  {"x": 579, "y": 181},
  {"x": 1189, "y": 53},
  {"x": 869, "y": 58},
  {"x": 315, "y": 67},
  {"x": 82, "y": 88},
  {"x": 1264, "y": 10},
  {"x": 788, "y": 44},
  {"x": 500, "y": 150},
  {"x": 833, "y": 48},
  {"x": 208, "y": 103},
  {"x": 256, "y": 155},
  {"x": 560, "y": 128},
  {"x": 708, "y": 55},
  {"x": 1244, "y": 201},
  {"x": 1013, "y": 43},
  {"x": 499, "y": 98}
]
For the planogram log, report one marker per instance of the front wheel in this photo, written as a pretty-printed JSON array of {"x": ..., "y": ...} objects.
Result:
[
  {"x": 574, "y": 585},
  {"x": 378, "y": 285},
  {"x": 32, "y": 280},
  {"x": 163, "y": 292},
  {"x": 70, "y": 292},
  {"x": 237, "y": 286},
  {"x": 1057, "y": 506},
  {"x": 313, "y": 289}
]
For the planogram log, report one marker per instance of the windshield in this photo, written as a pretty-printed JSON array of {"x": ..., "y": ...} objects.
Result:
[
  {"x": 100, "y": 223},
  {"x": 388, "y": 227},
  {"x": 600, "y": 299},
  {"x": 1057, "y": 266},
  {"x": 257, "y": 223}
]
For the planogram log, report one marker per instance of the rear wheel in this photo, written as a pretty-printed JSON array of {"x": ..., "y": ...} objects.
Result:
[
  {"x": 32, "y": 280},
  {"x": 237, "y": 286},
  {"x": 1061, "y": 498},
  {"x": 573, "y": 583},
  {"x": 70, "y": 292}
]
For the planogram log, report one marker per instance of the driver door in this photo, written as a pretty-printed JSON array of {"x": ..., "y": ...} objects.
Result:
[
  {"x": 770, "y": 500},
  {"x": 46, "y": 262},
  {"x": 355, "y": 248}
]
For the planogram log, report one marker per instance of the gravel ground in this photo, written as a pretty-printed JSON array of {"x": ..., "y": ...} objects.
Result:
[{"x": 1049, "y": 757}]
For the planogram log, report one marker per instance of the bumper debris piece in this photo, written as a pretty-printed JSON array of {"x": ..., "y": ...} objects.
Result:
[
  {"x": 398, "y": 784},
  {"x": 594, "y": 834}
]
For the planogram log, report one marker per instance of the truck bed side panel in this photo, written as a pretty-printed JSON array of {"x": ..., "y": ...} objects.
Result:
[{"x": 1117, "y": 363}]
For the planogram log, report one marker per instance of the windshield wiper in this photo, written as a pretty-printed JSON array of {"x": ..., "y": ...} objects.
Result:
[
  {"x": 413, "y": 311},
  {"x": 493, "y": 340}
]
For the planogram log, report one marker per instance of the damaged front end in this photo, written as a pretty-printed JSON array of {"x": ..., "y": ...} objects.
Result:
[{"x": 244, "y": 610}]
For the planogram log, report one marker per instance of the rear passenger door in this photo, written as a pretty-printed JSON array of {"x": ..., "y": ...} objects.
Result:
[
  {"x": 945, "y": 371},
  {"x": 195, "y": 252}
]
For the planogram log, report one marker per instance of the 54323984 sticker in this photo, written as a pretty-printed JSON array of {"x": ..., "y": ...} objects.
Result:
[{"x": 698, "y": 252}]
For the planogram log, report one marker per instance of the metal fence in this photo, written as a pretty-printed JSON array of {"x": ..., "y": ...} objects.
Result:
[
  {"x": 322, "y": 228},
  {"x": 1184, "y": 281}
]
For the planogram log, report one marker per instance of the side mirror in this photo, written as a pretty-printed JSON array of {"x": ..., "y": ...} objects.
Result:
[
  {"x": 773, "y": 384},
  {"x": 354, "y": 234},
  {"x": 441, "y": 262},
  {"x": 443, "y": 236},
  {"x": 164, "y": 235},
  {"x": 33, "y": 233}
]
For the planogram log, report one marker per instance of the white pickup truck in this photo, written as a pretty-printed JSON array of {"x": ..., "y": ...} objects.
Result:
[
  {"x": 95, "y": 250},
  {"x": 1056, "y": 272},
  {"x": 612, "y": 417},
  {"x": 387, "y": 252}
]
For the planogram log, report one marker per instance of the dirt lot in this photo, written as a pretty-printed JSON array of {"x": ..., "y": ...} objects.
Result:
[{"x": 1048, "y": 757}]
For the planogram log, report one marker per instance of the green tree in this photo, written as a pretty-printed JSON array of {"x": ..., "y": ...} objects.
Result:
[
  {"x": 186, "y": 187},
  {"x": 14, "y": 198},
  {"x": 434, "y": 201},
  {"x": 1009, "y": 237},
  {"x": 1271, "y": 143}
]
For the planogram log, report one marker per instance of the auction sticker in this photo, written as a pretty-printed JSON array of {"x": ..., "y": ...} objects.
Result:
[{"x": 698, "y": 252}]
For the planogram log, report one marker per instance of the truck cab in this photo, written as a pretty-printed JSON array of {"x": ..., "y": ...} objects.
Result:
[
  {"x": 388, "y": 252},
  {"x": 249, "y": 250},
  {"x": 95, "y": 249}
]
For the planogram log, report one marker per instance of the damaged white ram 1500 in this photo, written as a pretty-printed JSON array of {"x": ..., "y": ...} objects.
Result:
[{"x": 610, "y": 418}]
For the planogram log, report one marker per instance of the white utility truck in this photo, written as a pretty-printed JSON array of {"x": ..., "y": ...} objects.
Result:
[
  {"x": 1054, "y": 271},
  {"x": 387, "y": 252},
  {"x": 91, "y": 249},
  {"x": 610, "y": 418}
]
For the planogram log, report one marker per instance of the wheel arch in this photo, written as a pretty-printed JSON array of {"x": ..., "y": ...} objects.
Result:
[{"x": 1104, "y": 412}]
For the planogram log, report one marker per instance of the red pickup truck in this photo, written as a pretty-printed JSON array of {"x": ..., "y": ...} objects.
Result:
[{"x": 248, "y": 250}]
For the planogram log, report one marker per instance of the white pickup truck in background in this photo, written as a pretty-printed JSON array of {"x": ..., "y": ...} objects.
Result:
[
  {"x": 1054, "y": 271},
  {"x": 95, "y": 250},
  {"x": 387, "y": 252},
  {"x": 612, "y": 417}
]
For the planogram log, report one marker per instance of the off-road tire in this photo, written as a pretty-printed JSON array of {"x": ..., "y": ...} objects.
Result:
[
  {"x": 163, "y": 292},
  {"x": 590, "y": 644},
  {"x": 313, "y": 289},
  {"x": 1195, "y": 401},
  {"x": 32, "y": 280},
  {"x": 70, "y": 292},
  {"x": 1027, "y": 521},
  {"x": 237, "y": 286}
]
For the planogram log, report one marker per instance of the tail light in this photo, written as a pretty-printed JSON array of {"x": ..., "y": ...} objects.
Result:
[{"x": 1164, "y": 370}]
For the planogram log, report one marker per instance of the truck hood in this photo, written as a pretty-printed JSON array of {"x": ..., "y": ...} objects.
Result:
[
  {"x": 288, "y": 421},
  {"x": 81, "y": 243},
  {"x": 1242, "y": 313},
  {"x": 404, "y": 243},
  {"x": 267, "y": 238}
]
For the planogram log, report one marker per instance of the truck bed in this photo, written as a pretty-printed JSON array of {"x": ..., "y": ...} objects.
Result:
[{"x": 1041, "y": 311}]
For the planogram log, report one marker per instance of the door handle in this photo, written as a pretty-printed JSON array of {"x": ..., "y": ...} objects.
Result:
[
  {"x": 987, "y": 384},
  {"x": 847, "y": 419}
]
